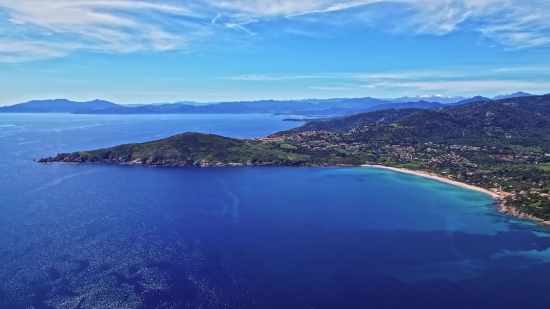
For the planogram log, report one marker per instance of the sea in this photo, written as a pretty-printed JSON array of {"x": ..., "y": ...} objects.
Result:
[{"x": 110, "y": 236}]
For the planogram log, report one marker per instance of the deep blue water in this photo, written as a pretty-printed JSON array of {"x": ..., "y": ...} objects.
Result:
[{"x": 108, "y": 236}]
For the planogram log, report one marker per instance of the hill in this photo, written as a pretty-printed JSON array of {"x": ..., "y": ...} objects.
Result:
[
  {"x": 308, "y": 107},
  {"x": 473, "y": 99},
  {"x": 302, "y": 107},
  {"x": 57, "y": 106},
  {"x": 429, "y": 98},
  {"x": 513, "y": 95}
]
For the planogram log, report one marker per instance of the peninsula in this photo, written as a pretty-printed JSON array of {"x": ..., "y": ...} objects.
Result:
[{"x": 500, "y": 146}]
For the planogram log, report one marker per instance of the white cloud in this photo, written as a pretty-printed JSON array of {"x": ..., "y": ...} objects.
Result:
[
  {"x": 449, "y": 73},
  {"x": 278, "y": 77},
  {"x": 516, "y": 23},
  {"x": 241, "y": 26},
  {"x": 462, "y": 86},
  {"x": 114, "y": 26},
  {"x": 62, "y": 26},
  {"x": 466, "y": 80},
  {"x": 260, "y": 8},
  {"x": 330, "y": 88},
  {"x": 336, "y": 7},
  {"x": 17, "y": 51}
]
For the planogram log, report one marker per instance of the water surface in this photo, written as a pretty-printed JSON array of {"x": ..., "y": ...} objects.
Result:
[{"x": 109, "y": 236}]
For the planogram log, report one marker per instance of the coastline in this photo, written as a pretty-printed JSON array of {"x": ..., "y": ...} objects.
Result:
[
  {"x": 498, "y": 197},
  {"x": 433, "y": 176}
]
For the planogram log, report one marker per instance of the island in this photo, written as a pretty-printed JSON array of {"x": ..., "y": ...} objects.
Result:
[{"x": 500, "y": 146}]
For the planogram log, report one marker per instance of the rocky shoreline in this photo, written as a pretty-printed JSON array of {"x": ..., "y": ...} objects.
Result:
[
  {"x": 198, "y": 163},
  {"x": 511, "y": 211}
]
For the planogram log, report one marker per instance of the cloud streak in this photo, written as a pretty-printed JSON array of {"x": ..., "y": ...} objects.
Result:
[
  {"x": 515, "y": 23},
  {"x": 468, "y": 81},
  {"x": 55, "y": 28},
  {"x": 39, "y": 29}
]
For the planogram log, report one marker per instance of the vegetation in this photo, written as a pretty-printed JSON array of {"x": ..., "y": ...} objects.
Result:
[{"x": 498, "y": 145}]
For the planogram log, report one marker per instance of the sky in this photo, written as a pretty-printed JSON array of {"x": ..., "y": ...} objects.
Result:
[{"x": 146, "y": 51}]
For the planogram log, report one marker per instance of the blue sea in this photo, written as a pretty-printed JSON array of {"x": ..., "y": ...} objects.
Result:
[{"x": 109, "y": 236}]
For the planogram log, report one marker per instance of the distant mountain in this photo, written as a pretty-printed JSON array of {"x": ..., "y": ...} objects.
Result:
[
  {"x": 520, "y": 113},
  {"x": 513, "y": 95},
  {"x": 188, "y": 103},
  {"x": 356, "y": 103},
  {"x": 344, "y": 111},
  {"x": 474, "y": 99},
  {"x": 318, "y": 108},
  {"x": 429, "y": 98},
  {"x": 57, "y": 106},
  {"x": 304, "y": 107},
  {"x": 308, "y": 107},
  {"x": 419, "y": 104}
]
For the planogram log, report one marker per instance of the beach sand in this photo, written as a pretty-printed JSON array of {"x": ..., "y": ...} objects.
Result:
[
  {"x": 498, "y": 196},
  {"x": 494, "y": 195}
]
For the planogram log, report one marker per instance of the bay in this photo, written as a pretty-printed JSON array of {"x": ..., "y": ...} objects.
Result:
[{"x": 109, "y": 236}]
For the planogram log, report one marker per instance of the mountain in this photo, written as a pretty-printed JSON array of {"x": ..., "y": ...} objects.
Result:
[
  {"x": 429, "y": 98},
  {"x": 473, "y": 99},
  {"x": 508, "y": 114},
  {"x": 304, "y": 107},
  {"x": 354, "y": 103},
  {"x": 307, "y": 107},
  {"x": 57, "y": 106},
  {"x": 417, "y": 104},
  {"x": 347, "y": 123},
  {"x": 513, "y": 95},
  {"x": 252, "y": 107}
]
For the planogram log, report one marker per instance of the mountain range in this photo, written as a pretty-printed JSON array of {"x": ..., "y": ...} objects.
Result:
[
  {"x": 512, "y": 95},
  {"x": 57, "y": 106},
  {"x": 306, "y": 107},
  {"x": 429, "y": 98}
]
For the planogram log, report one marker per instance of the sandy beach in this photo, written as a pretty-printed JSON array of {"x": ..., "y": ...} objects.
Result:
[
  {"x": 439, "y": 178},
  {"x": 498, "y": 197}
]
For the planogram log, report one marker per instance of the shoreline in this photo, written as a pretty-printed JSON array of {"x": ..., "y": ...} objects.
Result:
[
  {"x": 499, "y": 198},
  {"x": 436, "y": 177}
]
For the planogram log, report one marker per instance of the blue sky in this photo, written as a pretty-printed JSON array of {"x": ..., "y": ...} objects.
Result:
[{"x": 131, "y": 51}]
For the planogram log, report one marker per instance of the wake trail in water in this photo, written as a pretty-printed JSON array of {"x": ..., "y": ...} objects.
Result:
[
  {"x": 58, "y": 181},
  {"x": 235, "y": 204}
]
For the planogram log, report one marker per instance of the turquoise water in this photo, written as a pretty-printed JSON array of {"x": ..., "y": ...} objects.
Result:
[{"x": 109, "y": 236}]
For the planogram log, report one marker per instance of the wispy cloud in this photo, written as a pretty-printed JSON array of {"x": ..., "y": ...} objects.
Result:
[
  {"x": 277, "y": 77},
  {"x": 242, "y": 26},
  {"x": 515, "y": 23},
  {"x": 115, "y": 26},
  {"x": 329, "y": 88},
  {"x": 336, "y": 7},
  {"x": 268, "y": 8},
  {"x": 37, "y": 29},
  {"x": 471, "y": 87},
  {"x": 18, "y": 51},
  {"x": 466, "y": 80},
  {"x": 450, "y": 73}
]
